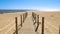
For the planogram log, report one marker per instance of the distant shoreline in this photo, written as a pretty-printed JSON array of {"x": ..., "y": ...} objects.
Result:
[{"x": 9, "y": 11}]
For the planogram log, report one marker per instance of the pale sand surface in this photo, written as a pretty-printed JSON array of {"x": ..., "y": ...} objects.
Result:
[
  {"x": 28, "y": 27},
  {"x": 52, "y": 21},
  {"x": 7, "y": 23}
]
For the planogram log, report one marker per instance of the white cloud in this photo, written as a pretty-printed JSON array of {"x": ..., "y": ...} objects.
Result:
[{"x": 48, "y": 9}]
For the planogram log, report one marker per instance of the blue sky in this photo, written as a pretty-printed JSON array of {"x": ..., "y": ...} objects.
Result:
[{"x": 30, "y": 4}]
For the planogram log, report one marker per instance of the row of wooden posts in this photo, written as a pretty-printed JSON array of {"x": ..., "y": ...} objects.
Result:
[
  {"x": 36, "y": 21},
  {"x": 35, "y": 18},
  {"x": 22, "y": 17}
]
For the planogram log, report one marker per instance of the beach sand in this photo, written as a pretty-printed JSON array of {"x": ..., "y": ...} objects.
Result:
[{"x": 51, "y": 23}]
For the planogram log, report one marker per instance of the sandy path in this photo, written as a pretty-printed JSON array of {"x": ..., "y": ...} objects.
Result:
[{"x": 28, "y": 27}]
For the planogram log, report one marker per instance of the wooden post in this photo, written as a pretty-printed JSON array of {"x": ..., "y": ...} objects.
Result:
[
  {"x": 32, "y": 14},
  {"x": 23, "y": 17},
  {"x": 16, "y": 25},
  {"x": 26, "y": 14},
  {"x": 35, "y": 16},
  {"x": 38, "y": 20},
  {"x": 59, "y": 29},
  {"x": 37, "y": 23},
  {"x": 35, "y": 19},
  {"x": 42, "y": 25},
  {"x": 21, "y": 20}
]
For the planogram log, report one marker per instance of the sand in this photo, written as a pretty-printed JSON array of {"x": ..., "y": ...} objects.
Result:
[
  {"x": 52, "y": 22},
  {"x": 52, "y": 19},
  {"x": 7, "y": 21}
]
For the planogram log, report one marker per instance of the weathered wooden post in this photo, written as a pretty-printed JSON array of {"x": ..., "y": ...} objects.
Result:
[
  {"x": 21, "y": 20},
  {"x": 59, "y": 29},
  {"x": 23, "y": 17},
  {"x": 37, "y": 23},
  {"x": 35, "y": 19},
  {"x": 32, "y": 14},
  {"x": 42, "y": 25},
  {"x": 16, "y": 25},
  {"x": 26, "y": 14}
]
